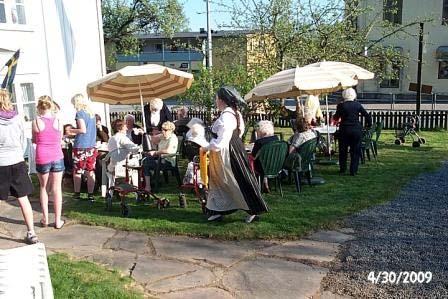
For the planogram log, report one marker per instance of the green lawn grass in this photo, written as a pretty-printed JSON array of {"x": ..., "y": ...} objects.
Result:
[
  {"x": 81, "y": 279},
  {"x": 292, "y": 216}
]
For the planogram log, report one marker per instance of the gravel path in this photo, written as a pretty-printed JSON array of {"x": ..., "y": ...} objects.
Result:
[{"x": 410, "y": 233}]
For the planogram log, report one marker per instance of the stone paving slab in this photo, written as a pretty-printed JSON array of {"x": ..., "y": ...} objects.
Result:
[
  {"x": 129, "y": 241},
  {"x": 330, "y": 236},
  {"x": 206, "y": 250},
  {"x": 304, "y": 250},
  {"x": 7, "y": 242},
  {"x": 197, "y": 278},
  {"x": 151, "y": 269},
  {"x": 76, "y": 236},
  {"x": 273, "y": 278},
  {"x": 198, "y": 293}
]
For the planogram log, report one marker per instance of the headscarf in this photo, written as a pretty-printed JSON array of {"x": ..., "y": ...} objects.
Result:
[
  {"x": 349, "y": 94},
  {"x": 230, "y": 96}
]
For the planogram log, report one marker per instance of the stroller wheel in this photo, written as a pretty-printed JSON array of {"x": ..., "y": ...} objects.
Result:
[
  {"x": 402, "y": 140},
  {"x": 422, "y": 140},
  {"x": 108, "y": 202},
  {"x": 415, "y": 144},
  {"x": 397, "y": 141}
]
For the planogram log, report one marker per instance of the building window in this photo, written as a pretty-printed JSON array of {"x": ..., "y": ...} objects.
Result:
[
  {"x": 2, "y": 12},
  {"x": 392, "y": 79},
  {"x": 443, "y": 69},
  {"x": 28, "y": 101},
  {"x": 18, "y": 15},
  {"x": 392, "y": 11},
  {"x": 445, "y": 12}
]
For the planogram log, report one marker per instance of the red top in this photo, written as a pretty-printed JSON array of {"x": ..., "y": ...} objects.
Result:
[{"x": 48, "y": 142}]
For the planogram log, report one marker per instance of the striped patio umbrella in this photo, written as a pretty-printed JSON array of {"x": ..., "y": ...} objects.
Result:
[{"x": 134, "y": 84}]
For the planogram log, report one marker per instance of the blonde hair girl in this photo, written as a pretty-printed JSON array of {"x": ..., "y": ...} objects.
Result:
[
  {"x": 82, "y": 103},
  {"x": 47, "y": 135},
  {"x": 5, "y": 101}
]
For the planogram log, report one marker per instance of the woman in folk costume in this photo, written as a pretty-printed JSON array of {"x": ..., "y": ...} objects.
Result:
[{"x": 232, "y": 185}]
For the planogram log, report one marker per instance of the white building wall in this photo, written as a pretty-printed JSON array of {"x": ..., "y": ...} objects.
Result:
[
  {"x": 61, "y": 50},
  {"x": 435, "y": 35}
]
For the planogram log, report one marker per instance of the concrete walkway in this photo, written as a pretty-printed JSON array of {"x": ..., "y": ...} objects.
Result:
[{"x": 183, "y": 267}]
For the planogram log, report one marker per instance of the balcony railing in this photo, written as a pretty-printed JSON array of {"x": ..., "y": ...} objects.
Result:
[{"x": 162, "y": 56}]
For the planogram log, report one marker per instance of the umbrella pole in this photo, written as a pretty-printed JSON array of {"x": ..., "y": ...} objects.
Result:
[
  {"x": 328, "y": 126},
  {"x": 141, "y": 103}
]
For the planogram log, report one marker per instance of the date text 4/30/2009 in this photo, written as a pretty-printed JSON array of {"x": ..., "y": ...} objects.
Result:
[{"x": 405, "y": 277}]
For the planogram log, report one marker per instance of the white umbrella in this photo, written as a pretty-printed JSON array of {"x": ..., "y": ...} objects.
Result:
[
  {"x": 315, "y": 79},
  {"x": 348, "y": 69},
  {"x": 298, "y": 81},
  {"x": 131, "y": 84},
  {"x": 344, "y": 68}
]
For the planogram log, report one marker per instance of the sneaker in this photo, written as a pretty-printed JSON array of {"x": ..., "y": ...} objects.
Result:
[
  {"x": 31, "y": 238},
  {"x": 251, "y": 218},
  {"x": 216, "y": 217},
  {"x": 77, "y": 196}
]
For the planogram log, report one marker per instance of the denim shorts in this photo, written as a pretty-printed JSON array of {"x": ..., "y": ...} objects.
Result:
[{"x": 54, "y": 166}]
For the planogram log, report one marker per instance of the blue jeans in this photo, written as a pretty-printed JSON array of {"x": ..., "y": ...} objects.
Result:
[{"x": 53, "y": 166}]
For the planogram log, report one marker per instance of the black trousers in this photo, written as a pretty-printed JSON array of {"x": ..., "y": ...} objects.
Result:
[{"x": 350, "y": 137}]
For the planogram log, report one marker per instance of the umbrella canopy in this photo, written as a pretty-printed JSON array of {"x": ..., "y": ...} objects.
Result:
[
  {"x": 298, "y": 81},
  {"x": 131, "y": 83},
  {"x": 348, "y": 69}
]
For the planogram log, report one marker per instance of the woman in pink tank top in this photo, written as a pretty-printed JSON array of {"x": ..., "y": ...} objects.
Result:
[{"x": 47, "y": 135}]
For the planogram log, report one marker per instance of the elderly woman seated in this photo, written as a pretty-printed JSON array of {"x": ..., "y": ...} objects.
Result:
[
  {"x": 265, "y": 135},
  {"x": 167, "y": 144},
  {"x": 303, "y": 134}
]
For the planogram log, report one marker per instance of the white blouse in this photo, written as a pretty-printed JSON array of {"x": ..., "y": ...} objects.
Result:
[
  {"x": 224, "y": 127},
  {"x": 155, "y": 118}
]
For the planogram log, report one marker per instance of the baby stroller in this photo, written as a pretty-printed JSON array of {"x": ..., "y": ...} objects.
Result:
[
  {"x": 409, "y": 129},
  {"x": 119, "y": 183}
]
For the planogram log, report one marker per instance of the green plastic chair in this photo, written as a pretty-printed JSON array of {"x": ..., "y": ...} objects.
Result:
[
  {"x": 378, "y": 128},
  {"x": 272, "y": 157},
  {"x": 301, "y": 162},
  {"x": 367, "y": 145}
]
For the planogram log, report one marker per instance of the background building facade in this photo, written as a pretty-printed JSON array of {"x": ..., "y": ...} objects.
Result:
[
  {"x": 435, "y": 46},
  {"x": 61, "y": 50}
]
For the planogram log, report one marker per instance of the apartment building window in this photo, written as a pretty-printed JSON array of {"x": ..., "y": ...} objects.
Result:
[
  {"x": 392, "y": 11},
  {"x": 19, "y": 16},
  {"x": 2, "y": 12},
  {"x": 445, "y": 12},
  {"x": 443, "y": 69},
  {"x": 392, "y": 79},
  {"x": 28, "y": 101}
]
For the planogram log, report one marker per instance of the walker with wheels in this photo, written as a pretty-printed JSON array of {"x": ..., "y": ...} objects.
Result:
[{"x": 409, "y": 129}]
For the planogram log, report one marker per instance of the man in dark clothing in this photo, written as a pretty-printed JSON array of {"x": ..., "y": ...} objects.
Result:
[
  {"x": 102, "y": 132},
  {"x": 350, "y": 130},
  {"x": 156, "y": 113}
]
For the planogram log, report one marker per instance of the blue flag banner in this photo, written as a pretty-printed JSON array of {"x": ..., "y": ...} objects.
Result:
[{"x": 12, "y": 66}]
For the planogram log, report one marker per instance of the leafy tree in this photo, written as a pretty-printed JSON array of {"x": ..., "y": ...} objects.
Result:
[
  {"x": 124, "y": 19},
  {"x": 299, "y": 32},
  {"x": 208, "y": 81}
]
